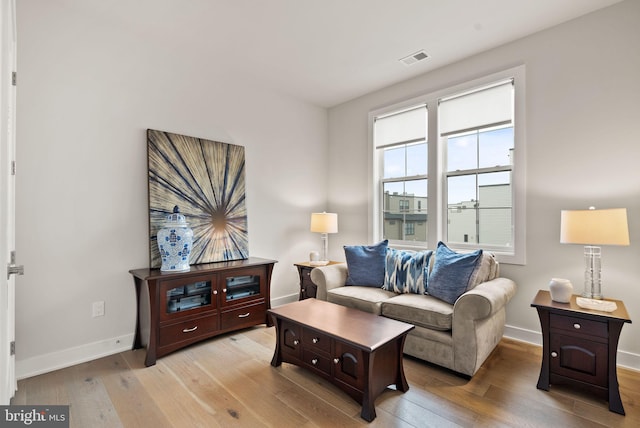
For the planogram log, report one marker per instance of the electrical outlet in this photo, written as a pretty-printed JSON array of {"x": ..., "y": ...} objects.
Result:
[{"x": 98, "y": 309}]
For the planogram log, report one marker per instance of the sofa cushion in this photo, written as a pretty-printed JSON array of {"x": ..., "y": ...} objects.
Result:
[
  {"x": 405, "y": 271},
  {"x": 452, "y": 272},
  {"x": 366, "y": 299},
  {"x": 419, "y": 310},
  {"x": 366, "y": 264}
]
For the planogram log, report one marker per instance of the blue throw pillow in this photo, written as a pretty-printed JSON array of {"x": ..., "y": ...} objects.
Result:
[
  {"x": 405, "y": 271},
  {"x": 365, "y": 264},
  {"x": 451, "y": 273}
]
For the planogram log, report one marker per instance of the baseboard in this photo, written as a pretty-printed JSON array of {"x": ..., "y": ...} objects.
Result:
[
  {"x": 40, "y": 364},
  {"x": 625, "y": 359},
  {"x": 284, "y": 300},
  {"x": 68, "y": 357}
]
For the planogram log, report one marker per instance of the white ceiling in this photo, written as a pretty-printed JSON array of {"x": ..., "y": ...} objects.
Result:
[{"x": 330, "y": 51}]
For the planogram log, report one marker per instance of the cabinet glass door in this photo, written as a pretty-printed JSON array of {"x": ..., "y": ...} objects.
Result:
[
  {"x": 181, "y": 297},
  {"x": 245, "y": 285}
]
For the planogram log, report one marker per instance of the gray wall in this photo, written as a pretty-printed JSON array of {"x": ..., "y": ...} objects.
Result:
[
  {"x": 582, "y": 142},
  {"x": 88, "y": 89}
]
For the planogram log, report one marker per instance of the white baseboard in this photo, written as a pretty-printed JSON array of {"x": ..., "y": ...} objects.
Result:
[
  {"x": 68, "y": 357},
  {"x": 40, "y": 364},
  {"x": 625, "y": 359},
  {"x": 284, "y": 300}
]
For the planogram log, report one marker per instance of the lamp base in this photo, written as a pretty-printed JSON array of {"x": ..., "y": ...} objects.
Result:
[{"x": 592, "y": 276}]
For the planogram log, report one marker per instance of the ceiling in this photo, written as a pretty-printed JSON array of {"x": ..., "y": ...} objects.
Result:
[{"x": 327, "y": 52}]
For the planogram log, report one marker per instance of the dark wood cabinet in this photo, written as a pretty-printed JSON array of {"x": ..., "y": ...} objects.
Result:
[
  {"x": 176, "y": 309},
  {"x": 308, "y": 289},
  {"x": 580, "y": 346}
]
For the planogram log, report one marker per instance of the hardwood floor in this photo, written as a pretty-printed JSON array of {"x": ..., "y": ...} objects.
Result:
[{"x": 228, "y": 382}]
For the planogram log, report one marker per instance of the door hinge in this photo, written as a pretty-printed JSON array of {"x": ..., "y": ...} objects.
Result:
[
  {"x": 13, "y": 167},
  {"x": 14, "y": 78},
  {"x": 12, "y": 348}
]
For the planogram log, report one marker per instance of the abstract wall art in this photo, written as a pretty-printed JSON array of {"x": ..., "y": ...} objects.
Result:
[{"x": 206, "y": 180}]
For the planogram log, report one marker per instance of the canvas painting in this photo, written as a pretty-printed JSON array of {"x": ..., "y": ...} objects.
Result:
[{"x": 206, "y": 180}]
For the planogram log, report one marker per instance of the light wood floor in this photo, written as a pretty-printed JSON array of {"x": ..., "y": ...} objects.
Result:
[{"x": 228, "y": 381}]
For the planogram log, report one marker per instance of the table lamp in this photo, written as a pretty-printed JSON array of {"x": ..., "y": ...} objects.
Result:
[
  {"x": 591, "y": 228},
  {"x": 324, "y": 223}
]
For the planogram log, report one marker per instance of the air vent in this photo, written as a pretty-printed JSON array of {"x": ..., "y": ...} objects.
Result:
[{"x": 414, "y": 58}]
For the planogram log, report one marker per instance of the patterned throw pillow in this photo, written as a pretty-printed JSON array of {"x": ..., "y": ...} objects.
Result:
[
  {"x": 405, "y": 271},
  {"x": 452, "y": 273},
  {"x": 365, "y": 264}
]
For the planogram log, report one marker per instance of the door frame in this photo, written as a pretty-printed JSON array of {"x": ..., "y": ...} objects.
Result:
[{"x": 8, "y": 385}]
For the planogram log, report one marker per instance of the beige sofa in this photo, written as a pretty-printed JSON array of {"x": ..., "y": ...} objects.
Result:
[{"x": 459, "y": 336}]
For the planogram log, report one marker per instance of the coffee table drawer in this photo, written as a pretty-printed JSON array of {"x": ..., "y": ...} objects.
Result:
[
  {"x": 316, "y": 361},
  {"x": 312, "y": 339}
]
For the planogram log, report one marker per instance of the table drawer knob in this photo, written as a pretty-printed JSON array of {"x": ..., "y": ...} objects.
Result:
[
  {"x": 296, "y": 342},
  {"x": 576, "y": 326},
  {"x": 315, "y": 340},
  {"x": 314, "y": 361},
  {"x": 554, "y": 354},
  {"x": 336, "y": 360}
]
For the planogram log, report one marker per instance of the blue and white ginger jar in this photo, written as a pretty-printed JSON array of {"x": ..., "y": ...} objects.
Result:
[{"x": 175, "y": 241}]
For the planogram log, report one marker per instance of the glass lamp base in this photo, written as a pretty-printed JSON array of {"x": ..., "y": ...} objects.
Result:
[{"x": 592, "y": 276}]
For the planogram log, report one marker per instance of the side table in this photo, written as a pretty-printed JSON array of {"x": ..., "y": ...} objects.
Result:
[
  {"x": 579, "y": 346},
  {"x": 307, "y": 288}
]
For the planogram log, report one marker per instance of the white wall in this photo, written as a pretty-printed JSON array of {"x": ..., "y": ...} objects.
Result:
[
  {"x": 583, "y": 146},
  {"x": 88, "y": 89}
]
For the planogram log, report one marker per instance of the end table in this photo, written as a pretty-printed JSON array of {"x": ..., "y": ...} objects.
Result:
[
  {"x": 307, "y": 288},
  {"x": 579, "y": 346}
]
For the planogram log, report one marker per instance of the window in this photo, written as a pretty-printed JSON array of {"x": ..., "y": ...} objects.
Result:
[
  {"x": 401, "y": 141},
  {"x": 464, "y": 147}
]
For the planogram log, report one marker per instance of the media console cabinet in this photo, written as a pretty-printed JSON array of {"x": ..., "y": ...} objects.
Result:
[{"x": 176, "y": 309}]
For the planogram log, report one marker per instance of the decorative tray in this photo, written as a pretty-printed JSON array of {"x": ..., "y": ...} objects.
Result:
[{"x": 598, "y": 305}]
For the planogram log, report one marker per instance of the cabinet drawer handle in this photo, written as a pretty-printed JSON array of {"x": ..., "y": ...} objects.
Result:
[
  {"x": 576, "y": 326},
  {"x": 315, "y": 340},
  {"x": 244, "y": 315},
  {"x": 189, "y": 330},
  {"x": 296, "y": 342},
  {"x": 554, "y": 354},
  {"x": 314, "y": 361},
  {"x": 336, "y": 360},
  {"x": 215, "y": 291},
  {"x": 308, "y": 273},
  {"x": 224, "y": 290}
]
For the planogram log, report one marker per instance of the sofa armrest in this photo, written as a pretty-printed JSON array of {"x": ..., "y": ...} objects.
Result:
[
  {"x": 485, "y": 299},
  {"x": 328, "y": 277}
]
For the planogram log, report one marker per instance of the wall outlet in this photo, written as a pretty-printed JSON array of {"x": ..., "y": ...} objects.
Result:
[{"x": 98, "y": 309}]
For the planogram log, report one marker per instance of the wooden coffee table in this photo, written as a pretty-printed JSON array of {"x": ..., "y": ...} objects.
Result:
[{"x": 359, "y": 352}]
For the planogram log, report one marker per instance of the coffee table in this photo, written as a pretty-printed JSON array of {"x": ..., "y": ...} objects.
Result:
[{"x": 359, "y": 352}]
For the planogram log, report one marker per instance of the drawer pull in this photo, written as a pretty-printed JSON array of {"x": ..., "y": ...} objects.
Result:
[
  {"x": 576, "y": 326},
  {"x": 315, "y": 340},
  {"x": 224, "y": 290},
  {"x": 336, "y": 360},
  {"x": 308, "y": 273},
  {"x": 215, "y": 291},
  {"x": 244, "y": 315},
  {"x": 314, "y": 361},
  {"x": 296, "y": 342},
  {"x": 189, "y": 330},
  {"x": 554, "y": 354}
]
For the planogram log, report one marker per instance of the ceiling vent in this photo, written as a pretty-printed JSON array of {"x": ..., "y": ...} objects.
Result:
[{"x": 414, "y": 58}]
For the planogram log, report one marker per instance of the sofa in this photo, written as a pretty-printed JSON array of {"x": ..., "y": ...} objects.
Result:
[{"x": 459, "y": 332}]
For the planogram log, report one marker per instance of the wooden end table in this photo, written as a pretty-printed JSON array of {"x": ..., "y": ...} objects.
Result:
[
  {"x": 579, "y": 346},
  {"x": 307, "y": 288},
  {"x": 359, "y": 352}
]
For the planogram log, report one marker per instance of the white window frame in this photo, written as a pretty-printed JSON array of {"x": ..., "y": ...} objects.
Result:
[{"x": 436, "y": 170}]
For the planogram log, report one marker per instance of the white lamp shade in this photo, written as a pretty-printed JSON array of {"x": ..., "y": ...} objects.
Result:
[
  {"x": 594, "y": 227},
  {"x": 324, "y": 222}
]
